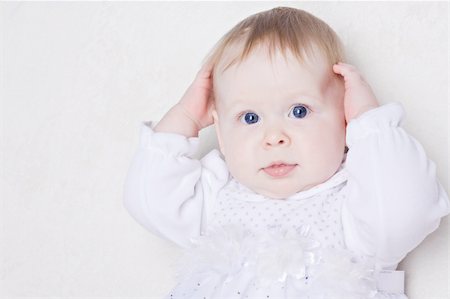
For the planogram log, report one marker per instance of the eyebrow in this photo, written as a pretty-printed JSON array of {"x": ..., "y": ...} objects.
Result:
[
  {"x": 237, "y": 104},
  {"x": 294, "y": 97}
]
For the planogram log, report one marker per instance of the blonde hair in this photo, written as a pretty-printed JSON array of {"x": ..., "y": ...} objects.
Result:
[{"x": 279, "y": 28}]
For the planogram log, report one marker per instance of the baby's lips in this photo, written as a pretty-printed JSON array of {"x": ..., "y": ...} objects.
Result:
[{"x": 278, "y": 170}]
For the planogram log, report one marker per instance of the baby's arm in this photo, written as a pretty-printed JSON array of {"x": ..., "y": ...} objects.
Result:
[
  {"x": 394, "y": 198},
  {"x": 165, "y": 187}
]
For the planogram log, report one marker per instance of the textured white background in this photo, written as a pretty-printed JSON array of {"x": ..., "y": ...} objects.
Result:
[{"x": 76, "y": 80}]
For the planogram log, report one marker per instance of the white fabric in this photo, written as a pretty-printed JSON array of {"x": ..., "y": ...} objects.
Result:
[
  {"x": 382, "y": 203},
  {"x": 391, "y": 281}
]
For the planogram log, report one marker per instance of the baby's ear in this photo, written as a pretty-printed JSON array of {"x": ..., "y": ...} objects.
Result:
[
  {"x": 218, "y": 131},
  {"x": 214, "y": 115}
]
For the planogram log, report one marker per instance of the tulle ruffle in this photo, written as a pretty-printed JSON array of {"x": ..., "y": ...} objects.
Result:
[{"x": 290, "y": 259}]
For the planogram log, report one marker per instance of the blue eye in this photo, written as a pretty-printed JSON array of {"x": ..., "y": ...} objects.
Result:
[
  {"x": 299, "y": 111},
  {"x": 249, "y": 118}
]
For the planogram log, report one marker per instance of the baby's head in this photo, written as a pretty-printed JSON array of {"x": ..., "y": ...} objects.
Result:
[{"x": 279, "y": 113}]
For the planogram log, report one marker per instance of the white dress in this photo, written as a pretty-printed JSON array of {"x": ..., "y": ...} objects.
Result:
[{"x": 340, "y": 239}]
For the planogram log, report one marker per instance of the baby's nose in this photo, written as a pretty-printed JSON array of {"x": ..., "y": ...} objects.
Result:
[{"x": 276, "y": 139}]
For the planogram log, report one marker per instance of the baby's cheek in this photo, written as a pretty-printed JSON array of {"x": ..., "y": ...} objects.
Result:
[
  {"x": 327, "y": 146},
  {"x": 239, "y": 147},
  {"x": 240, "y": 165},
  {"x": 231, "y": 144}
]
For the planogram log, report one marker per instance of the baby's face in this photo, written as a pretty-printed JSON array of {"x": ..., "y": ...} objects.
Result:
[{"x": 280, "y": 125}]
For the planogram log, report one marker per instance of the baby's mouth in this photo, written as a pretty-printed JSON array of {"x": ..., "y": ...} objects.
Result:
[{"x": 279, "y": 170}]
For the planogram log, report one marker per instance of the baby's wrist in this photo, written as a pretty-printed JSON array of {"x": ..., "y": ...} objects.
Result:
[
  {"x": 189, "y": 116},
  {"x": 178, "y": 121},
  {"x": 361, "y": 111}
]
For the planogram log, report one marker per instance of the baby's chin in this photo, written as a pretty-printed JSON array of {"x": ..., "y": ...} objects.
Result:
[{"x": 278, "y": 192}]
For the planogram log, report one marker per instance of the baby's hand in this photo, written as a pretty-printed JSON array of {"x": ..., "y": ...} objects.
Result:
[
  {"x": 358, "y": 97},
  {"x": 197, "y": 101}
]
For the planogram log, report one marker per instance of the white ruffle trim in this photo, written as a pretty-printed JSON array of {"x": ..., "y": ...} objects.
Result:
[{"x": 286, "y": 257}]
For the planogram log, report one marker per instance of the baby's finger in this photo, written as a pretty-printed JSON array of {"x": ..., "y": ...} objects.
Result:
[
  {"x": 348, "y": 71},
  {"x": 347, "y": 65},
  {"x": 205, "y": 71},
  {"x": 343, "y": 68},
  {"x": 337, "y": 69}
]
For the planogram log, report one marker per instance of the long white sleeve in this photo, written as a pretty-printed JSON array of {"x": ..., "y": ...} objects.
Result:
[
  {"x": 394, "y": 199},
  {"x": 165, "y": 188}
]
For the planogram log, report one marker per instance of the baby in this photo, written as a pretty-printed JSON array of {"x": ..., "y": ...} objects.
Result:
[{"x": 317, "y": 192}]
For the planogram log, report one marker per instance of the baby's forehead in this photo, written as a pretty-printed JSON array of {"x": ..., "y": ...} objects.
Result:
[{"x": 312, "y": 73}]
